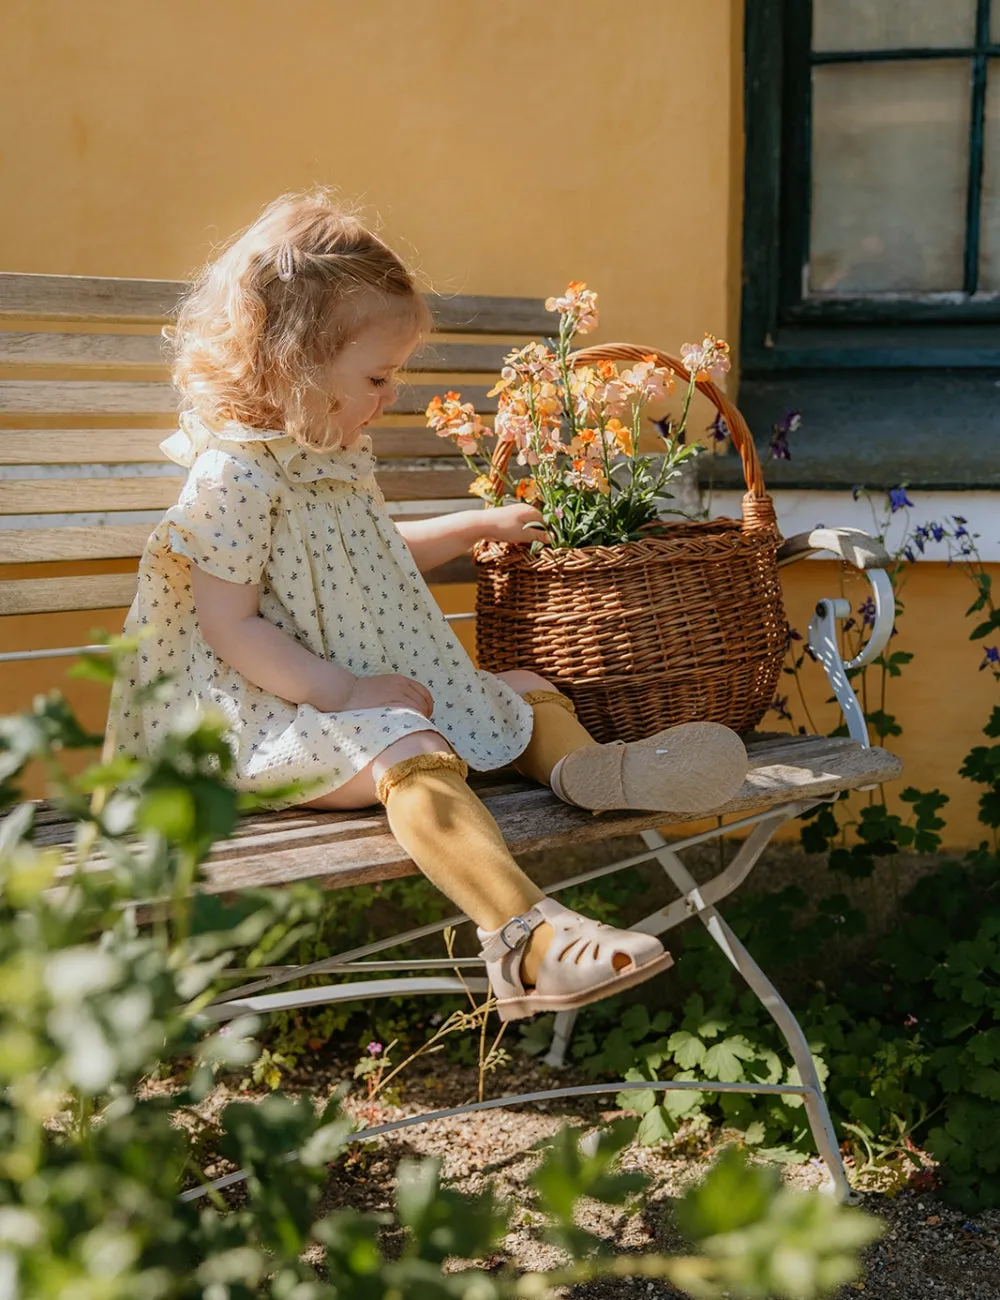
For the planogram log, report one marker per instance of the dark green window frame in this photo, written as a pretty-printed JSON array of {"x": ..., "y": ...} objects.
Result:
[
  {"x": 906, "y": 391},
  {"x": 782, "y": 331}
]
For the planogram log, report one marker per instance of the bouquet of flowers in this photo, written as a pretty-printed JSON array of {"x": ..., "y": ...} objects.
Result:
[{"x": 575, "y": 427}]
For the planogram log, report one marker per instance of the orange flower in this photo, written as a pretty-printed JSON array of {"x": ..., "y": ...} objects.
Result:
[
  {"x": 528, "y": 491},
  {"x": 480, "y": 487},
  {"x": 585, "y": 444},
  {"x": 621, "y": 435}
]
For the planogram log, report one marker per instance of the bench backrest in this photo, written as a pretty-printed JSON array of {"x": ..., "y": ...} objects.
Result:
[{"x": 85, "y": 400}]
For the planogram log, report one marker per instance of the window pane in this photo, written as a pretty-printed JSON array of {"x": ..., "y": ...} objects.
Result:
[
  {"x": 893, "y": 24},
  {"x": 989, "y": 234},
  {"x": 890, "y": 158}
]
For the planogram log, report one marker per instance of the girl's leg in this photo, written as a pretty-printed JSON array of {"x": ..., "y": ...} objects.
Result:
[
  {"x": 448, "y": 833},
  {"x": 693, "y": 768},
  {"x": 455, "y": 842}
]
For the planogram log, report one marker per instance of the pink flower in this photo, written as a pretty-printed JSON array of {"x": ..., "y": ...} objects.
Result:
[
  {"x": 708, "y": 359},
  {"x": 532, "y": 363},
  {"x": 374, "y": 1049},
  {"x": 589, "y": 475},
  {"x": 578, "y": 304},
  {"x": 512, "y": 426}
]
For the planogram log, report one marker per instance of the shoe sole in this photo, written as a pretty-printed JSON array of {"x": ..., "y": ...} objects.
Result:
[
  {"x": 690, "y": 768},
  {"x": 533, "y": 1004}
]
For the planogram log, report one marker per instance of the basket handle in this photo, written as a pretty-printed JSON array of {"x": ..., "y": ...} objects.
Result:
[{"x": 758, "y": 508}]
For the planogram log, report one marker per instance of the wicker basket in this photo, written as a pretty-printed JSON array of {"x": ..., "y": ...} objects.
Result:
[{"x": 684, "y": 626}]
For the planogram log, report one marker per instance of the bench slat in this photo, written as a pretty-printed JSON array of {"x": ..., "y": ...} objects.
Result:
[
  {"x": 122, "y": 351},
  {"x": 52, "y": 496},
  {"x": 85, "y": 397},
  {"x": 61, "y": 595},
  {"x": 337, "y": 850},
  {"x": 115, "y": 590},
  {"x": 142, "y": 446},
  {"x": 399, "y": 481},
  {"x": 38, "y": 545},
  {"x": 80, "y": 297},
  {"x": 108, "y": 397},
  {"x": 81, "y": 446}
]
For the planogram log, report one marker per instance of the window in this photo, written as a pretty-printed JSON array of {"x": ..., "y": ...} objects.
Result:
[
  {"x": 873, "y": 182},
  {"x": 871, "y": 295}
]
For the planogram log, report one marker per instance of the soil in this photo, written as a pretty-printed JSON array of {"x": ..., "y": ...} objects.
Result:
[{"x": 929, "y": 1250}]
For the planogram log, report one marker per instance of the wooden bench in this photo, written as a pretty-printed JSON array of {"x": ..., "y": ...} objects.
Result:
[{"x": 84, "y": 403}]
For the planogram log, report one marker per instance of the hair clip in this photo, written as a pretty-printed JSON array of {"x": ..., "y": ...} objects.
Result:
[{"x": 285, "y": 263}]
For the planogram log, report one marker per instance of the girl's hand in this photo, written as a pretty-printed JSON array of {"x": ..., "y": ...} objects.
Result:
[
  {"x": 389, "y": 690},
  {"x": 509, "y": 524}
]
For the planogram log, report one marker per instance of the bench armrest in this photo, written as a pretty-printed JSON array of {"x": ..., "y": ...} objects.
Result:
[
  {"x": 851, "y": 544},
  {"x": 869, "y": 555}
]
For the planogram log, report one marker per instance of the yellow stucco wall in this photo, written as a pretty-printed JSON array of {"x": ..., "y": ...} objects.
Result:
[
  {"x": 505, "y": 149},
  {"x": 508, "y": 147}
]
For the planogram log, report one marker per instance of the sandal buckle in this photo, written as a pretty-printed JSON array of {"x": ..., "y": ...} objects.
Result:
[{"x": 523, "y": 937}]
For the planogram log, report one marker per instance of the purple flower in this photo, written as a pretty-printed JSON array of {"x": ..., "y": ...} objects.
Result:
[
  {"x": 792, "y": 422},
  {"x": 867, "y": 611},
  {"x": 779, "y": 705},
  {"x": 920, "y": 536},
  {"x": 374, "y": 1049},
  {"x": 908, "y": 552},
  {"x": 665, "y": 428},
  {"x": 991, "y": 659},
  {"x": 937, "y": 532},
  {"x": 898, "y": 498},
  {"x": 789, "y": 423},
  {"x": 718, "y": 429},
  {"x": 858, "y": 492}
]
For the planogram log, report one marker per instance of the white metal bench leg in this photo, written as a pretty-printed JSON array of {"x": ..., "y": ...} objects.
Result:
[
  {"x": 817, "y": 1110},
  {"x": 718, "y": 887},
  {"x": 562, "y": 1033}
]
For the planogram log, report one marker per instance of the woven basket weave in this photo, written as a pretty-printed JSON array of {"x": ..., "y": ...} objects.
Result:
[{"x": 684, "y": 626}]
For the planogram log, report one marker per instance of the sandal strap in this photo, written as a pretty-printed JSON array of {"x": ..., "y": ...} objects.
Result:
[{"x": 511, "y": 936}]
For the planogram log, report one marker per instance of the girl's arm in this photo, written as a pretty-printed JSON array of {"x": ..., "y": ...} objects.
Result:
[
  {"x": 436, "y": 541},
  {"x": 230, "y": 622}
]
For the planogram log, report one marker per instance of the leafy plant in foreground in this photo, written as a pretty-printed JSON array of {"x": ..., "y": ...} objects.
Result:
[{"x": 93, "y": 1003}]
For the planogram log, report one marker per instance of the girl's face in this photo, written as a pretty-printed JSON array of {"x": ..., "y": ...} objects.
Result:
[{"x": 362, "y": 377}]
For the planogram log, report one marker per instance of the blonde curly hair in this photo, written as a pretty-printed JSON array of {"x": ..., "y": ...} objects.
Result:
[{"x": 265, "y": 317}]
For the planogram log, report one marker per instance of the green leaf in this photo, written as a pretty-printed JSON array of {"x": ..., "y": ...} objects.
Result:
[
  {"x": 725, "y": 1060},
  {"x": 656, "y": 1127},
  {"x": 985, "y": 628},
  {"x": 688, "y": 1050}
]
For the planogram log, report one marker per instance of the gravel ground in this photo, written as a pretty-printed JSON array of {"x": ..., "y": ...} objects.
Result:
[{"x": 929, "y": 1251}]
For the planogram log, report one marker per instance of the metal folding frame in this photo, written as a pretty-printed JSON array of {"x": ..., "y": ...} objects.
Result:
[{"x": 696, "y": 900}]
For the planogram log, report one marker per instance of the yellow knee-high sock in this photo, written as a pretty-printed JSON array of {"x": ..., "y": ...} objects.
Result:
[
  {"x": 452, "y": 838},
  {"x": 557, "y": 732}
]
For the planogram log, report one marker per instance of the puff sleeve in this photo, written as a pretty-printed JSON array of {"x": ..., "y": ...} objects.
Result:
[{"x": 222, "y": 521}]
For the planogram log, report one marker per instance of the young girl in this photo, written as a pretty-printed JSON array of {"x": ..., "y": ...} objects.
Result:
[{"x": 279, "y": 591}]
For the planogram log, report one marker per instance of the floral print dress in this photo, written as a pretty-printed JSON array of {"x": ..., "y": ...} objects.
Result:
[{"x": 311, "y": 528}]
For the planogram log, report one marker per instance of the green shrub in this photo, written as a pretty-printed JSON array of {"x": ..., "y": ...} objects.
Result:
[{"x": 91, "y": 1164}]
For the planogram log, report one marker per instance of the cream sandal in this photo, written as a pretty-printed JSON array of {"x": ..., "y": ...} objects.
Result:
[
  {"x": 693, "y": 768},
  {"x": 577, "y": 968}
]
